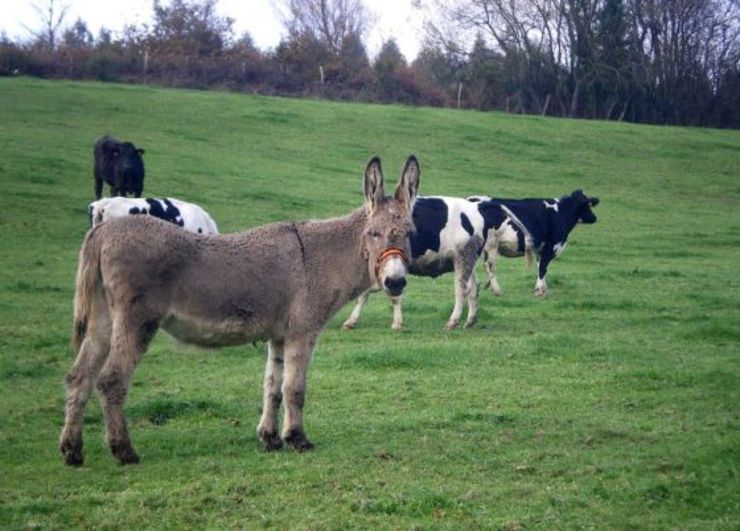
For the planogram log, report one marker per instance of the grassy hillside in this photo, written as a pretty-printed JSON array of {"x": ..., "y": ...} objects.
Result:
[{"x": 611, "y": 403}]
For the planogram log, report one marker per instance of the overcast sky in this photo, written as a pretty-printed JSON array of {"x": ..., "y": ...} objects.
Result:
[{"x": 395, "y": 18}]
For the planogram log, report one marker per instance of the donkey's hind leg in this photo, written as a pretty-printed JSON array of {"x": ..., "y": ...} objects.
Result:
[
  {"x": 129, "y": 341},
  {"x": 79, "y": 383},
  {"x": 298, "y": 353},
  {"x": 267, "y": 430}
]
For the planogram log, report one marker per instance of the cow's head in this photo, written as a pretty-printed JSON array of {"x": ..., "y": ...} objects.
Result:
[
  {"x": 583, "y": 204},
  {"x": 389, "y": 224}
]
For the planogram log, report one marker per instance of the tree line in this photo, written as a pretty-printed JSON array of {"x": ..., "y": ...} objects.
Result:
[{"x": 648, "y": 61}]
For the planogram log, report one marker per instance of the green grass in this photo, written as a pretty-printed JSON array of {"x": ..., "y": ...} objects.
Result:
[{"x": 613, "y": 403}]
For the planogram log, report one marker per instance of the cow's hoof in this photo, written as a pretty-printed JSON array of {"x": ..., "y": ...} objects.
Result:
[
  {"x": 125, "y": 453},
  {"x": 397, "y": 326},
  {"x": 271, "y": 441},
  {"x": 470, "y": 323},
  {"x": 540, "y": 293},
  {"x": 451, "y": 325},
  {"x": 348, "y": 326},
  {"x": 72, "y": 452},
  {"x": 298, "y": 440}
]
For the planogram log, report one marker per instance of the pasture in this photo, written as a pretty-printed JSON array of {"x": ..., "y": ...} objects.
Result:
[{"x": 612, "y": 403}]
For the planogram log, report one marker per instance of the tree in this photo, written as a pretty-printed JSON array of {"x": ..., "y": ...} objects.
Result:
[
  {"x": 328, "y": 21},
  {"x": 51, "y": 14}
]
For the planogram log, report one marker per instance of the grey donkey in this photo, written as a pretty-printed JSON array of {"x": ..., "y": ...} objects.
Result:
[{"x": 280, "y": 282}]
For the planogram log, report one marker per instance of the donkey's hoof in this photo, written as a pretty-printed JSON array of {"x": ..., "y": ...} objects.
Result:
[
  {"x": 470, "y": 323},
  {"x": 298, "y": 440},
  {"x": 72, "y": 452},
  {"x": 125, "y": 453},
  {"x": 271, "y": 441},
  {"x": 451, "y": 325}
]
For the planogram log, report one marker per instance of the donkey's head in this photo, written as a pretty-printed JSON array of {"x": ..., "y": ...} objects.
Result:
[{"x": 389, "y": 224}]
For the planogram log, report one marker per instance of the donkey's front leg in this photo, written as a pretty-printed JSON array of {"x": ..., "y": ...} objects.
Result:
[
  {"x": 267, "y": 430},
  {"x": 351, "y": 321},
  {"x": 464, "y": 264},
  {"x": 397, "y": 323},
  {"x": 298, "y": 353}
]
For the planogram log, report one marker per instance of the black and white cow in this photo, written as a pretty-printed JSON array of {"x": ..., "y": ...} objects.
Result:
[
  {"x": 187, "y": 215},
  {"x": 450, "y": 233},
  {"x": 531, "y": 226}
]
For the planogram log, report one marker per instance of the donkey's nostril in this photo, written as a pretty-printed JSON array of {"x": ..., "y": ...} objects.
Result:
[{"x": 395, "y": 285}]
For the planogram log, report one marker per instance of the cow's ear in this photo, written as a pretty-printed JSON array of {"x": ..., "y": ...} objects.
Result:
[
  {"x": 140, "y": 151},
  {"x": 593, "y": 201}
]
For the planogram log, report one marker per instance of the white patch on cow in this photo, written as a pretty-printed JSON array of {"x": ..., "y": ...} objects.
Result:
[
  {"x": 559, "y": 248},
  {"x": 540, "y": 287},
  {"x": 192, "y": 216},
  {"x": 553, "y": 206},
  {"x": 507, "y": 239}
]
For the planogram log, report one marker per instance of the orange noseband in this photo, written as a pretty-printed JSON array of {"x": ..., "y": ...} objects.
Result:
[{"x": 388, "y": 253}]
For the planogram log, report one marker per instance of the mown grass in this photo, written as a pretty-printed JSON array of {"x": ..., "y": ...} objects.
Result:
[{"x": 613, "y": 403}]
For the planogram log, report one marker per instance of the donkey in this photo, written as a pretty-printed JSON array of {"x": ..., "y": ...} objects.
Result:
[{"x": 280, "y": 282}]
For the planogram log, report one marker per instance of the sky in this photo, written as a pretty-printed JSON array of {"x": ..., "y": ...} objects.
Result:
[{"x": 394, "y": 18}]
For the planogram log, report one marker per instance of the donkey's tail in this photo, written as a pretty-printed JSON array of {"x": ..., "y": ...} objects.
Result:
[
  {"x": 528, "y": 239},
  {"x": 88, "y": 274}
]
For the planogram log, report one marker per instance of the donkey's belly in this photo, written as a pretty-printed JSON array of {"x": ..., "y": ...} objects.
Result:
[{"x": 210, "y": 333}]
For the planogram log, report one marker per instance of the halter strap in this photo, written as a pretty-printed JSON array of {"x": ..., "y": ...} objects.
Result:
[{"x": 388, "y": 253}]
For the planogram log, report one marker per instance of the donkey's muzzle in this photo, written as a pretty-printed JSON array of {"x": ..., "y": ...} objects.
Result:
[{"x": 394, "y": 286}]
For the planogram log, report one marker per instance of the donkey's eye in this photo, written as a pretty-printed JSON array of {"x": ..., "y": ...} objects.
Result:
[{"x": 374, "y": 234}]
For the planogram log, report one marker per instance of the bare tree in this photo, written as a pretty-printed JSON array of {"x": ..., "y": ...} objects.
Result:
[
  {"x": 329, "y": 21},
  {"x": 51, "y": 15}
]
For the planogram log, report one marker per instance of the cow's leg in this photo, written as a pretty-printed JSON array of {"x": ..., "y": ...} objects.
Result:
[
  {"x": 298, "y": 353},
  {"x": 98, "y": 187},
  {"x": 472, "y": 290},
  {"x": 130, "y": 338},
  {"x": 351, "y": 321},
  {"x": 397, "y": 323},
  {"x": 490, "y": 265},
  {"x": 464, "y": 263},
  {"x": 540, "y": 287},
  {"x": 267, "y": 430},
  {"x": 81, "y": 379}
]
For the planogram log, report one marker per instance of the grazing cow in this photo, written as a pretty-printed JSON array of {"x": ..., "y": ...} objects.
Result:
[
  {"x": 280, "y": 282},
  {"x": 450, "y": 233},
  {"x": 531, "y": 226},
  {"x": 120, "y": 165},
  {"x": 186, "y": 215}
]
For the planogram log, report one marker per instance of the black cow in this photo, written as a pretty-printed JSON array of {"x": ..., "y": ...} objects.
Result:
[
  {"x": 539, "y": 226},
  {"x": 120, "y": 165}
]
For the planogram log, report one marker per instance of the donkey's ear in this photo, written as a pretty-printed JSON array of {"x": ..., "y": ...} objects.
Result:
[
  {"x": 374, "y": 192},
  {"x": 408, "y": 185}
]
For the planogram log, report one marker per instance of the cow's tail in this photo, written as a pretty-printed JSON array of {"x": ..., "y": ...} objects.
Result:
[
  {"x": 88, "y": 276},
  {"x": 528, "y": 239}
]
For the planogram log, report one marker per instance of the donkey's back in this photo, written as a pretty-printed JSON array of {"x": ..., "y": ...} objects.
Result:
[{"x": 205, "y": 290}]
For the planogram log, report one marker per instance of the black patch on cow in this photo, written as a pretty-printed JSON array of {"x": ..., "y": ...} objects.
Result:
[
  {"x": 200, "y": 231},
  {"x": 474, "y": 199},
  {"x": 169, "y": 213},
  {"x": 493, "y": 216},
  {"x": 430, "y": 217},
  {"x": 137, "y": 210},
  {"x": 437, "y": 267},
  {"x": 466, "y": 224}
]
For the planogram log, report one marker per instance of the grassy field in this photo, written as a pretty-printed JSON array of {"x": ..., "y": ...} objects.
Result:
[{"x": 612, "y": 403}]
